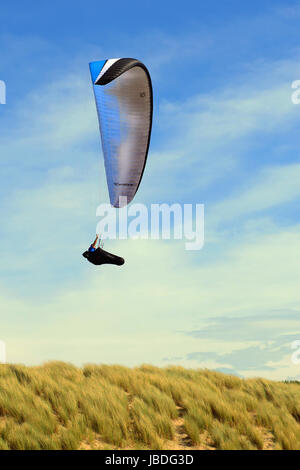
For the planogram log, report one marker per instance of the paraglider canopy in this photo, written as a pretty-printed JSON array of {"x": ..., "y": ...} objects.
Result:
[{"x": 123, "y": 94}]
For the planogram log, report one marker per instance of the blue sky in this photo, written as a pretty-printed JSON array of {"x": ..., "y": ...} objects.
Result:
[{"x": 225, "y": 134}]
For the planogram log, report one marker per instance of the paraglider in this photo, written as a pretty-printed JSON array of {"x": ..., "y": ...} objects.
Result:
[
  {"x": 96, "y": 255},
  {"x": 124, "y": 101}
]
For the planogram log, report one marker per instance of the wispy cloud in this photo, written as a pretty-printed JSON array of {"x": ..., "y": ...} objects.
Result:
[{"x": 272, "y": 187}]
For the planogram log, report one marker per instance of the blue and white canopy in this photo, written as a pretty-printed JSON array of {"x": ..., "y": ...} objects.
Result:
[{"x": 123, "y": 94}]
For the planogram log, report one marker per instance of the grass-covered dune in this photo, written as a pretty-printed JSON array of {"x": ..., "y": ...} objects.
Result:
[{"x": 59, "y": 406}]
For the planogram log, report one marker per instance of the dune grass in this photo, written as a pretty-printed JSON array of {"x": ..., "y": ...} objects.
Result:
[{"x": 60, "y": 406}]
